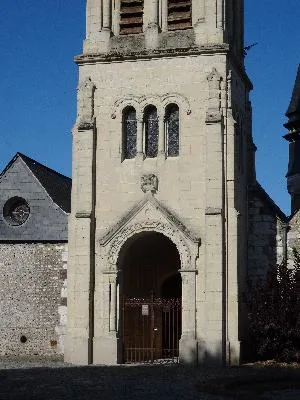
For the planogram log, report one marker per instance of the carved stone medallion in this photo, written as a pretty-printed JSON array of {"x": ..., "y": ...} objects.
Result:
[{"x": 149, "y": 183}]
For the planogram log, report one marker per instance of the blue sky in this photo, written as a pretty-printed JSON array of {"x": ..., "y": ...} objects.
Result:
[{"x": 38, "y": 81}]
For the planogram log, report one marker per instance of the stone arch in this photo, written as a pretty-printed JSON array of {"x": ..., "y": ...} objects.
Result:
[
  {"x": 121, "y": 104},
  {"x": 176, "y": 98},
  {"x": 155, "y": 101},
  {"x": 148, "y": 226}
]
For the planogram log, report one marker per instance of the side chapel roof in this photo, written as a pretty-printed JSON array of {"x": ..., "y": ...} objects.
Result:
[
  {"x": 258, "y": 190},
  {"x": 57, "y": 186}
]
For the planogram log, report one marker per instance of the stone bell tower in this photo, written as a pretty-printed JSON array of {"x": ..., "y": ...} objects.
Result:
[{"x": 160, "y": 174}]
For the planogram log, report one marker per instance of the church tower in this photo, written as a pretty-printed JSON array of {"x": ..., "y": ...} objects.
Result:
[
  {"x": 157, "y": 232},
  {"x": 293, "y": 137}
]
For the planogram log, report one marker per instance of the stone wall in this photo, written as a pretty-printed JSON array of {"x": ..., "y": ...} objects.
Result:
[
  {"x": 33, "y": 298},
  {"x": 293, "y": 238},
  {"x": 266, "y": 235}
]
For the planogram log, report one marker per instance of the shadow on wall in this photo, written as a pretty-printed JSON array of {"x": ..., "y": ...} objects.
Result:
[
  {"x": 210, "y": 354},
  {"x": 266, "y": 233}
]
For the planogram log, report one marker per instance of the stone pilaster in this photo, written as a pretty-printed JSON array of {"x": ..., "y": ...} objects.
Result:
[
  {"x": 198, "y": 14},
  {"x": 98, "y": 26},
  {"x": 152, "y": 28},
  {"x": 80, "y": 265},
  {"x": 81, "y": 232},
  {"x": 93, "y": 25},
  {"x": 106, "y": 313},
  {"x": 233, "y": 244},
  {"x": 188, "y": 343},
  {"x": 116, "y": 18},
  {"x": 164, "y": 15},
  {"x": 211, "y": 351}
]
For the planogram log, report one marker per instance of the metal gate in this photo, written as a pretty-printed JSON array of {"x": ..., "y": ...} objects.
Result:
[{"x": 151, "y": 329}]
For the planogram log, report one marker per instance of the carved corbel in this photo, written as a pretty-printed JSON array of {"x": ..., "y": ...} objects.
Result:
[{"x": 85, "y": 114}]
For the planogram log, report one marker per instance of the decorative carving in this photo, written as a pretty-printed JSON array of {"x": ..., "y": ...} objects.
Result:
[
  {"x": 169, "y": 216},
  {"x": 156, "y": 226},
  {"x": 85, "y": 114},
  {"x": 149, "y": 183},
  {"x": 214, "y": 100},
  {"x": 160, "y": 102}
]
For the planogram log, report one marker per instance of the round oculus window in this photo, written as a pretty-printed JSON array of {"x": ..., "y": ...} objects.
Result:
[{"x": 16, "y": 211}]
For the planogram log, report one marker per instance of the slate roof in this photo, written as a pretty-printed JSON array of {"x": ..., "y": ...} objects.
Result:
[
  {"x": 293, "y": 112},
  {"x": 57, "y": 186}
]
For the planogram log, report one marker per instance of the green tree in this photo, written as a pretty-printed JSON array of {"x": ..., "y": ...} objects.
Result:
[{"x": 274, "y": 314}]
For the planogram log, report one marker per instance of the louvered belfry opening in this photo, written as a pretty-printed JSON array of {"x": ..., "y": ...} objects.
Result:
[
  {"x": 131, "y": 16},
  {"x": 179, "y": 14}
]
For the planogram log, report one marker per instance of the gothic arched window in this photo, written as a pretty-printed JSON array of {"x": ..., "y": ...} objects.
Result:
[
  {"x": 151, "y": 131},
  {"x": 172, "y": 130},
  {"x": 129, "y": 132}
]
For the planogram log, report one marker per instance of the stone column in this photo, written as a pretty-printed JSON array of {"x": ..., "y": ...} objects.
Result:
[
  {"x": 188, "y": 343},
  {"x": 154, "y": 12},
  {"x": 151, "y": 30},
  {"x": 113, "y": 303},
  {"x": 105, "y": 34},
  {"x": 116, "y": 18},
  {"x": 139, "y": 138},
  {"x": 164, "y": 15},
  {"x": 220, "y": 14},
  {"x": 107, "y": 14},
  {"x": 161, "y": 135}
]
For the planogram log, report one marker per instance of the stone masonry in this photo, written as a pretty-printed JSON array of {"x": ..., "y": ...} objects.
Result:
[
  {"x": 32, "y": 298},
  {"x": 200, "y": 203},
  {"x": 34, "y": 206},
  {"x": 267, "y": 234}
]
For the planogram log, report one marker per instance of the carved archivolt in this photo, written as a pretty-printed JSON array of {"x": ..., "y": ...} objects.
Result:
[
  {"x": 148, "y": 226},
  {"x": 141, "y": 102}
]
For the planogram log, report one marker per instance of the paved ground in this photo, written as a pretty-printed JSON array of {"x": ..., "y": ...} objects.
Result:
[{"x": 57, "y": 381}]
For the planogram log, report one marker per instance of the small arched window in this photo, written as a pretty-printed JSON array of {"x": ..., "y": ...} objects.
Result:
[
  {"x": 151, "y": 131},
  {"x": 172, "y": 130},
  {"x": 129, "y": 132}
]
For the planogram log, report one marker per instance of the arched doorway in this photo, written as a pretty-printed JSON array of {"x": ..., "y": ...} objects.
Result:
[{"x": 150, "y": 289}]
